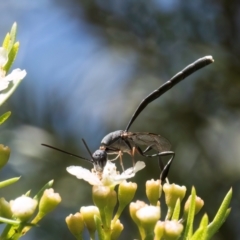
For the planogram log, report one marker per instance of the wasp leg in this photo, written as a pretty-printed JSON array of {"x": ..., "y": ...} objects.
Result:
[
  {"x": 148, "y": 149},
  {"x": 114, "y": 159},
  {"x": 164, "y": 169},
  {"x": 119, "y": 155},
  {"x": 164, "y": 172},
  {"x": 121, "y": 161},
  {"x": 132, "y": 155}
]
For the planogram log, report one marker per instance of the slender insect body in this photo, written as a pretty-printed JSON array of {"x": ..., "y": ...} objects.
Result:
[
  {"x": 124, "y": 141},
  {"x": 114, "y": 142},
  {"x": 120, "y": 141}
]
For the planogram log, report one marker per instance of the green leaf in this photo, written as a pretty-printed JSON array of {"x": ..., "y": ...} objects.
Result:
[
  {"x": 11, "y": 56},
  {"x": 40, "y": 193},
  {"x": 13, "y": 34},
  {"x": 6, "y": 41},
  {"x": 28, "y": 193},
  {"x": 221, "y": 215},
  {"x": 177, "y": 210},
  {"x": 4, "y": 117},
  {"x": 226, "y": 214},
  {"x": 8, "y": 182},
  {"x": 201, "y": 232},
  {"x": 189, "y": 225},
  {"x": 10, "y": 38},
  {"x": 4, "y": 155}
]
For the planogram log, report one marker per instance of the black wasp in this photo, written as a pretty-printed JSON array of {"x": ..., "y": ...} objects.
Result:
[{"x": 121, "y": 141}]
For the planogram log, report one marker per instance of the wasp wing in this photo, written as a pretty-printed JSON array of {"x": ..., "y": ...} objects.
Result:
[{"x": 157, "y": 142}]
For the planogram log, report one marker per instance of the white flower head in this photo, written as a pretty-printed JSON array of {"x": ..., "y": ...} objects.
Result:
[
  {"x": 15, "y": 76},
  {"x": 109, "y": 177},
  {"x": 23, "y": 207},
  {"x": 149, "y": 213}
]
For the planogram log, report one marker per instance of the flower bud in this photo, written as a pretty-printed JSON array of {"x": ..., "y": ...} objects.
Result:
[
  {"x": 88, "y": 214},
  {"x": 100, "y": 195},
  {"x": 116, "y": 230},
  {"x": 126, "y": 192},
  {"x": 148, "y": 216},
  {"x": 5, "y": 210},
  {"x": 172, "y": 230},
  {"x": 48, "y": 201},
  {"x": 159, "y": 230},
  {"x": 198, "y": 205},
  {"x": 153, "y": 191},
  {"x": 4, "y": 155},
  {"x": 172, "y": 193},
  {"x": 23, "y": 207},
  {"x": 75, "y": 224},
  {"x": 134, "y": 207}
]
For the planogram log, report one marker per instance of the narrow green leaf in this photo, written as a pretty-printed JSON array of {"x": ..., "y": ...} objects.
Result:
[
  {"x": 200, "y": 233},
  {"x": 226, "y": 215},
  {"x": 40, "y": 193},
  {"x": 6, "y": 41},
  {"x": 13, "y": 34},
  {"x": 189, "y": 225},
  {"x": 11, "y": 56},
  {"x": 177, "y": 210},
  {"x": 8, "y": 182},
  {"x": 204, "y": 221},
  {"x": 4, "y": 117},
  {"x": 28, "y": 193},
  {"x": 221, "y": 215}
]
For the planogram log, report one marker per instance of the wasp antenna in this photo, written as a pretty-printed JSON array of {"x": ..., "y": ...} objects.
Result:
[
  {"x": 86, "y": 146},
  {"x": 71, "y": 154}
]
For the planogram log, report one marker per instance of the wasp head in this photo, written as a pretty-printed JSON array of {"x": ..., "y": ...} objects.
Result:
[{"x": 99, "y": 160}]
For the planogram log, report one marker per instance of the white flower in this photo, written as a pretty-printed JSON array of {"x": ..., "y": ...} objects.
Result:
[
  {"x": 148, "y": 214},
  {"x": 109, "y": 177},
  {"x": 23, "y": 207},
  {"x": 15, "y": 76}
]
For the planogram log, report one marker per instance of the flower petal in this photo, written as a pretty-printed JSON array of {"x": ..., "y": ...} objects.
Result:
[
  {"x": 15, "y": 75},
  {"x": 85, "y": 174},
  {"x": 3, "y": 85},
  {"x": 137, "y": 167}
]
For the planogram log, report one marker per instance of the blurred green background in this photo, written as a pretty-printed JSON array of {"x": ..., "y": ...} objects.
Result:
[{"x": 90, "y": 63}]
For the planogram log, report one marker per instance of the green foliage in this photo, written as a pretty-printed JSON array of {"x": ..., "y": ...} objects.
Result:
[
  {"x": 9, "y": 50},
  {"x": 11, "y": 56},
  {"x": 18, "y": 215},
  {"x": 4, "y": 117}
]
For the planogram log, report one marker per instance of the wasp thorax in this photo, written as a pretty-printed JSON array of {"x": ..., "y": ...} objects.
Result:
[{"x": 99, "y": 160}]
